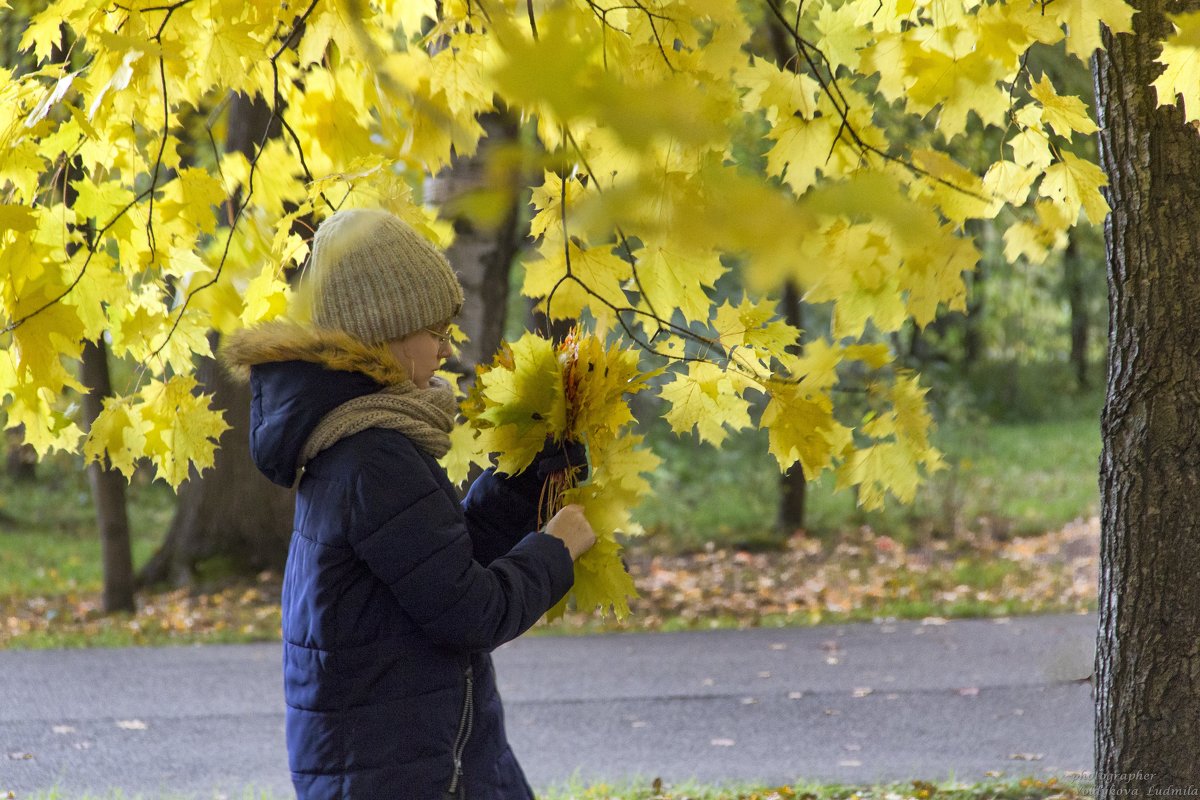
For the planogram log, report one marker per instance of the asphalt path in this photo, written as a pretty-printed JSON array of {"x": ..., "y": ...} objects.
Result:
[{"x": 850, "y": 703}]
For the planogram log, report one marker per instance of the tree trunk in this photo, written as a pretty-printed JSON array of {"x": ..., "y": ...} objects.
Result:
[
  {"x": 231, "y": 511},
  {"x": 108, "y": 489},
  {"x": 973, "y": 319},
  {"x": 1148, "y": 639},
  {"x": 20, "y": 460},
  {"x": 482, "y": 257},
  {"x": 1073, "y": 270},
  {"x": 793, "y": 487}
]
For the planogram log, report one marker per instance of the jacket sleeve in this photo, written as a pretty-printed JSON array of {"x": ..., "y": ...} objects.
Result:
[
  {"x": 414, "y": 538},
  {"x": 501, "y": 509},
  {"x": 499, "y": 512}
]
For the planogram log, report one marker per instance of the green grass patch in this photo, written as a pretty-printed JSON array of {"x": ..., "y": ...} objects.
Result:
[
  {"x": 1010, "y": 478},
  {"x": 48, "y": 536}
]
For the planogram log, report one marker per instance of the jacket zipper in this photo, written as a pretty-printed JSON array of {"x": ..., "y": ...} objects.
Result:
[{"x": 466, "y": 722}]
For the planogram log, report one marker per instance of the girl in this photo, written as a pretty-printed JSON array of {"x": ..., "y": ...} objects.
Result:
[{"x": 394, "y": 594}]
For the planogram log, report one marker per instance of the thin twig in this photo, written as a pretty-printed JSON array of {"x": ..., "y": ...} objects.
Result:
[{"x": 833, "y": 91}]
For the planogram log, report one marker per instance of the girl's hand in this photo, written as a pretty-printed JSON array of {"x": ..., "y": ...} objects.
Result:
[{"x": 572, "y": 528}]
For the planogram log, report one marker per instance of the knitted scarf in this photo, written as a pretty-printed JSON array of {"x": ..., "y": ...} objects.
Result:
[{"x": 426, "y": 416}]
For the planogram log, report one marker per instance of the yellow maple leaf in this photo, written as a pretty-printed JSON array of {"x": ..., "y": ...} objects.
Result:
[
  {"x": 1075, "y": 182},
  {"x": 961, "y": 82},
  {"x": 674, "y": 279},
  {"x": 801, "y": 428},
  {"x": 548, "y": 201},
  {"x": 181, "y": 428},
  {"x": 1009, "y": 181},
  {"x": 119, "y": 432},
  {"x": 958, "y": 192},
  {"x": 933, "y": 274},
  {"x": 1083, "y": 19},
  {"x": 705, "y": 399},
  {"x": 603, "y": 379},
  {"x": 802, "y": 148},
  {"x": 754, "y": 324},
  {"x": 1035, "y": 239},
  {"x": 599, "y": 275},
  {"x": 842, "y": 34},
  {"x": 568, "y": 42},
  {"x": 782, "y": 93},
  {"x": 1031, "y": 149},
  {"x": 464, "y": 452},
  {"x": 1181, "y": 57},
  {"x": 266, "y": 296},
  {"x": 1066, "y": 115},
  {"x": 191, "y": 197},
  {"x": 101, "y": 200},
  {"x": 523, "y": 403},
  {"x": 877, "y": 469},
  {"x": 817, "y": 366}
]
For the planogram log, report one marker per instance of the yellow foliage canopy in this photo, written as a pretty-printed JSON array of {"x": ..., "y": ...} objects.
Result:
[{"x": 675, "y": 154}]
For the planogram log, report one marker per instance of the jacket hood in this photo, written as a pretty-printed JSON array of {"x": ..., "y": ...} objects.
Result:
[{"x": 298, "y": 375}]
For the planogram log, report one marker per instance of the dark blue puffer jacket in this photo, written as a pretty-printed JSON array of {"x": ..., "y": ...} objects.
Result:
[{"x": 394, "y": 593}]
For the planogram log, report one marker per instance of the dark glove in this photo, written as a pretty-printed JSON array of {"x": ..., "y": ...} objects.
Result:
[
  {"x": 558, "y": 457},
  {"x": 554, "y": 457}
]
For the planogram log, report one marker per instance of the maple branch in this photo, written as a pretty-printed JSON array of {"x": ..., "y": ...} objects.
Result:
[
  {"x": 162, "y": 147},
  {"x": 603, "y": 12},
  {"x": 301, "y": 20},
  {"x": 276, "y": 115},
  {"x": 532, "y": 21},
  {"x": 654, "y": 29},
  {"x": 620, "y": 233},
  {"x": 149, "y": 192},
  {"x": 12, "y": 326},
  {"x": 730, "y": 355},
  {"x": 832, "y": 90}
]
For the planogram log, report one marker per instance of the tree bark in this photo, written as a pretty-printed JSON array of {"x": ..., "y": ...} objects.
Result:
[
  {"x": 231, "y": 511},
  {"x": 108, "y": 489},
  {"x": 482, "y": 257},
  {"x": 1148, "y": 638}
]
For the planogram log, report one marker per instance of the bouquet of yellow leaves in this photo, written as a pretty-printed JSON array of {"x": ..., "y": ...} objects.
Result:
[{"x": 575, "y": 391}]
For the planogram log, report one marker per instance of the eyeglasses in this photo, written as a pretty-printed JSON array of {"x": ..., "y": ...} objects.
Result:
[{"x": 443, "y": 338}]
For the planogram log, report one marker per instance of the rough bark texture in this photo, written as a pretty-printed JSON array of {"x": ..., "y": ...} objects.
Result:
[
  {"x": 482, "y": 257},
  {"x": 108, "y": 489},
  {"x": 231, "y": 511},
  {"x": 1148, "y": 642}
]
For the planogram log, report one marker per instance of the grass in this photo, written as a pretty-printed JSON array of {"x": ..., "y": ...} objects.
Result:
[
  {"x": 1014, "y": 479},
  {"x": 1066, "y": 788},
  {"x": 1003, "y": 480},
  {"x": 48, "y": 539}
]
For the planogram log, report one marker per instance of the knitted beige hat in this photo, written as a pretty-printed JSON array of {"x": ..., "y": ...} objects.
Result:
[{"x": 374, "y": 277}]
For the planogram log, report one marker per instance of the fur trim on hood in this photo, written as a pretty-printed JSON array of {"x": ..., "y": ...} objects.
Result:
[{"x": 278, "y": 341}]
